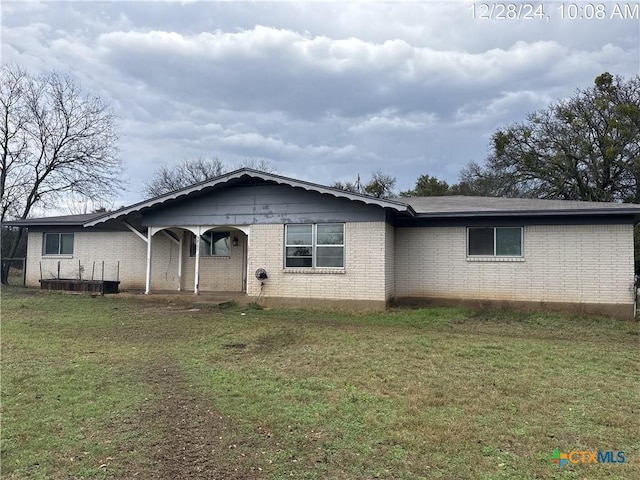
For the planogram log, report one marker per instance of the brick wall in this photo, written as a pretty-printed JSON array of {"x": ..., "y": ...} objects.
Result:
[
  {"x": 126, "y": 251},
  {"x": 123, "y": 250},
  {"x": 390, "y": 269},
  {"x": 576, "y": 264},
  {"x": 365, "y": 276}
]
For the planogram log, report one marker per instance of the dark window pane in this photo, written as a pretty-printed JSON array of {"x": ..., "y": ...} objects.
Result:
[
  {"x": 192, "y": 245},
  {"x": 330, "y": 257},
  {"x": 299, "y": 262},
  {"x": 299, "y": 257},
  {"x": 480, "y": 241},
  {"x": 205, "y": 244},
  {"x": 66, "y": 243},
  {"x": 51, "y": 243},
  {"x": 299, "y": 252},
  {"x": 509, "y": 241},
  {"x": 220, "y": 243}
]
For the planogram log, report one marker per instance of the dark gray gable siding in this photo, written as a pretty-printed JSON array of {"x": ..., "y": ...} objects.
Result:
[{"x": 262, "y": 204}]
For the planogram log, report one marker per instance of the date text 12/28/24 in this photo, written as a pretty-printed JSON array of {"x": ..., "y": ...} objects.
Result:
[{"x": 556, "y": 10}]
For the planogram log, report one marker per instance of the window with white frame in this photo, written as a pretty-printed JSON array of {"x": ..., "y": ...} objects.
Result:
[
  {"x": 494, "y": 241},
  {"x": 212, "y": 244},
  {"x": 58, "y": 244},
  {"x": 318, "y": 245}
]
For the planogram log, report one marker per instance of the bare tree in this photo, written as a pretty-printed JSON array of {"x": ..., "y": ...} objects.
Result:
[
  {"x": 78, "y": 205},
  {"x": 169, "y": 178},
  {"x": 261, "y": 165},
  {"x": 55, "y": 141},
  {"x": 381, "y": 185},
  {"x": 353, "y": 187}
]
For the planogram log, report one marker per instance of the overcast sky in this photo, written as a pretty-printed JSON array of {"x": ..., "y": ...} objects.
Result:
[{"x": 320, "y": 90}]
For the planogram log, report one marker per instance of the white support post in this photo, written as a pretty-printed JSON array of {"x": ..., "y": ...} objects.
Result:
[
  {"x": 180, "y": 246},
  {"x": 197, "y": 273},
  {"x": 147, "y": 290},
  {"x": 130, "y": 227}
]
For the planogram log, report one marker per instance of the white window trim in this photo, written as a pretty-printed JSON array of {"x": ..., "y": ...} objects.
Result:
[
  {"x": 494, "y": 257},
  {"x": 314, "y": 245}
]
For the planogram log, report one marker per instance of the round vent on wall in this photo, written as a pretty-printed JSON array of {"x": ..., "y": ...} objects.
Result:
[{"x": 261, "y": 274}]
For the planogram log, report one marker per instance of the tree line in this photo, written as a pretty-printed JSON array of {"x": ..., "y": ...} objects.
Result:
[{"x": 59, "y": 142}]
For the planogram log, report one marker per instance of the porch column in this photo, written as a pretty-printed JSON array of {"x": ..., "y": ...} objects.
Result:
[
  {"x": 147, "y": 289},
  {"x": 197, "y": 273},
  {"x": 180, "y": 245}
]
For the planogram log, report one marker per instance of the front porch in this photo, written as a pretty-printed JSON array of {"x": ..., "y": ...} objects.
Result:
[{"x": 210, "y": 258}]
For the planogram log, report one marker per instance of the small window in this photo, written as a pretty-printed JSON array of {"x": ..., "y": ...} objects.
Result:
[
  {"x": 314, "y": 245},
  {"x": 212, "y": 244},
  {"x": 58, "y": 243},
  {"x": 494, "y": 241}
]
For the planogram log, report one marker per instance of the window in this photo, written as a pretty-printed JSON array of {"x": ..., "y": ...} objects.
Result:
[
  {"x": 494, "y": 241},
  {"x": 58, "y": 244},
  {"x": 212, "y": 244},
  {"x": 314, "y": 245}
]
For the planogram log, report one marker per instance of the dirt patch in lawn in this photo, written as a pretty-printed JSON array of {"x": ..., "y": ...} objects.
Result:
[{"x": 195, "y": 441}]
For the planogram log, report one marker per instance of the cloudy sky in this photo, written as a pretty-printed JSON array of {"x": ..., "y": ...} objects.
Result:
[{"x": 321, "y": 90}]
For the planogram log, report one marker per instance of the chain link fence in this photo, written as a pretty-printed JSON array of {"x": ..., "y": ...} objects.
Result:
[{"x": 17, "y": 270}]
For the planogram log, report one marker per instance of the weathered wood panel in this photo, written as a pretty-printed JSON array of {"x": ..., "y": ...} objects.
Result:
[{"x": 74, "y": 285}]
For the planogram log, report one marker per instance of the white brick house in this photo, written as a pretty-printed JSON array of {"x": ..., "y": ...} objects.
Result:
[{"x": 323, "y": 246}]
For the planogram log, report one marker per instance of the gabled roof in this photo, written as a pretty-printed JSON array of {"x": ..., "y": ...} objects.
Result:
[
  {"x": 421, "y": 207},
  {"x": 462, "y": 206},
  {"x": 243, "y": 175}
]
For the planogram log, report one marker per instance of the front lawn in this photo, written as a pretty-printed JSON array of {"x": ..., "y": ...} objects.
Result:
[{"x": 126, "y": 387}]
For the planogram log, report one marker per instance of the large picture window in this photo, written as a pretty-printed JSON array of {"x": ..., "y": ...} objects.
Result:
[
  {"x": 314, "y": 245},
  {"x": 58, "y": 244},
  {"x": 212, "y": 244},
  {"x": 494, "y": 241}
]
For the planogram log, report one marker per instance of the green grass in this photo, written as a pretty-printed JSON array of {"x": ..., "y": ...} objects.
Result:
[{"x": 405, "y": 394}]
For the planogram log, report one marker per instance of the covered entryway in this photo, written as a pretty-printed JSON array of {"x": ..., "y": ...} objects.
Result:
[{"x": 209, "y": 258}]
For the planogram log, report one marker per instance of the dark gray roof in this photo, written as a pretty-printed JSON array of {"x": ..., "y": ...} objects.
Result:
[
  {"x": 483, "y": 206},
  {"x": 59, "y": 220}
]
